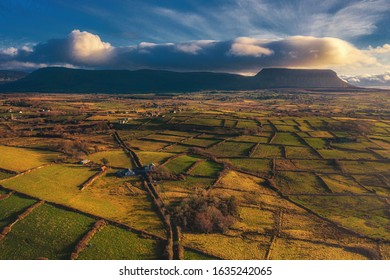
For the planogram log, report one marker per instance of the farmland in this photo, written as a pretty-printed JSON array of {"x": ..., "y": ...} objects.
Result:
[{"x": 310, "y": 173}]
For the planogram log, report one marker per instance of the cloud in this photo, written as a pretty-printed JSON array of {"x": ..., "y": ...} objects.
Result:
[
  {"x": 9, "y": 51},
  {"x": 85, "y": 46},
  {"x": 369, "y": 80},
  {"x": 385, "y": 49},
  {"x": 194, "y": 47},
  {"x": 245, "y": 46},
  {"x": 243, "y": 54}
]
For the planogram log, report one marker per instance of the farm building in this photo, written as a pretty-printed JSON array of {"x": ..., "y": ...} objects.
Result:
[
  {"x": 149, "y": 168},
  {"x": 126, "y": 173},
  {"x": 85, "y": 161},
  {"x": 132, "y": 172}
]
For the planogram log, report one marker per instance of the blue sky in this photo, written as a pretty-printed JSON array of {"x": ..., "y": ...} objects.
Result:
[{"x": 242, "y": 36}]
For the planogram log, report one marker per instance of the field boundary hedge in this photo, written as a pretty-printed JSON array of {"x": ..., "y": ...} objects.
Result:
[
  {"x": 7, "y": 229},
  {"x": 83, "y": 243}
]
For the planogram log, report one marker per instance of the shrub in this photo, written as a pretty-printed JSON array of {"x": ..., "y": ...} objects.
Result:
[{"x": 206, "y": 213}]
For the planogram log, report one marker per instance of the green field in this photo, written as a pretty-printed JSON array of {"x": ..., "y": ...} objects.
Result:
[
  {"x": 47, "y": 232},
  {"x": 13, "y": 206},
  {"x": 180, "y": 164},
  {"x": 115, "y": 158},
  {"x": 268, "y": 151},
  {"x": 299, "y": 182},
  {"x": 309, "y": 172},
  {"x": 231, "y": 149},
  {"x": 287, "y": 138},
  {"x": 206, "y": 168},
  {"x": 199, "y": 142},
  {"x": 113, "y": 243},
  {"x": 252, "y": 164},
  {"x": 20, "y": 159},
  {"x": 108, "y": 197},
  {"x": 153, "y": 157}
]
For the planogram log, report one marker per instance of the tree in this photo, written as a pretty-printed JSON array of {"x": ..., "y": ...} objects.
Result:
[
  {"x": 105, "y": 161},
  {"x": 206, "y": 213}
]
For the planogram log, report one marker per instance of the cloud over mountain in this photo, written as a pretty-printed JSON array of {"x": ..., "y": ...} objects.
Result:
[{"x": 87, "y": 50}]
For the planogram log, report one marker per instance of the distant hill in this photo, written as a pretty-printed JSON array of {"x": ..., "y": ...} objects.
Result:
[
  {"x": 65, "y": 80},
  {"x": 299, "y": 78},
  {"x": 7, "y": 76}
]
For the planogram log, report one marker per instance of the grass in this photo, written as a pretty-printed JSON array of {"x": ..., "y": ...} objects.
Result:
[
  {"x": 192, "y": 255},
  {"x": 180, "y": 164},
  {"x": 250, "y": 138},
  {"x": 287, "y": 138},
  {"x": 108, "y": 197},
  {"x": 365, "y": 167},
  {"x": 52, "y": 181},
  {"x": 298, "y": 182},
  {"x": 144, "y": 145},
  {"x": 360, "y": 145},
  {"x": 320, "y": 134},
  {"x": 164, "y": 138},
  {"x": 252, "y": 164},
  {"x": 255, "y": 220},
  {"x": 173, "y": 191},
  {"x": 153, "y": 157},
  {"x": 373, "y": 182},
  {"x": 47, "y": 232},
  {"x": 287, "y": 128},
  {"x": 231, "y": 149},
  {"x": 199, "y": 142},
  {"x": 113, "y": 243},
  {"x": 340, "y": 183},
  {"x": 285, "y": 249},
  {"x": 366, "y": 215},
  {"x": 11, "y": 207},
  {"x": 4, "y": 175},
  {"x": 177, "y": 149},
  {"x": 207, "y": 168},
  {"x": 205, "y": 122},
  {"x": 300, "y": 153},
  {"x": 179, "y": 133},
  {"x": 246, "y": 124},
  {"x": 317, "y": 143},
  {"x": 228, "y": 247},
  {"x": 246, "y": 188},
  {"x": 267, "y": 151},
  {"x": 342, "y": 154},
  {"x": 20, "y": 159},
  {"x": 116, "y": 158},
  {"x": 317, "y": 165}
]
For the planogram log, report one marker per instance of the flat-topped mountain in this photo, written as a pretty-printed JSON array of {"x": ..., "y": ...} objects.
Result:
[
  {"x": 299, "y": 78},
  {"x": 63, "y": 80}
]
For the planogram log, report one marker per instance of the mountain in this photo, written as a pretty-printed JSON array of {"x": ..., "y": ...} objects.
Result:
[
  {"x": 7, "y": 76},
  {"x": 63, "y": 80},
  {"x": 299, "y": 78}
]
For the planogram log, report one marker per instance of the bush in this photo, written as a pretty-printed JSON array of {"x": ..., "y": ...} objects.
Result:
[
  {"x": 206, "y": 213},
  {"x": 163, "y": 173}
]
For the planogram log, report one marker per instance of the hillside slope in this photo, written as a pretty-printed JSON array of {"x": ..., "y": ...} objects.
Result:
[{"x": 63, "y": 80}]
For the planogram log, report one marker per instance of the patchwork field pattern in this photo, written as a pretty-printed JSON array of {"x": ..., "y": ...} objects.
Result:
[{"x": 312, "y": 181}]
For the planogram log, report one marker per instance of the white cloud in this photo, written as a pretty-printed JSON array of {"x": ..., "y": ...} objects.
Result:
[
  {"x": 368, "y": 80},
  {"x": 385, "y": 49},
  {"x": 240, "y": 55},
  {"x": 194, "y": 47},
  {"x": 9, "y": 51},
  {"x": 86, "y": 46},
  {"x": 324, "y": 52},
  {"x": 245, "y": 46}
]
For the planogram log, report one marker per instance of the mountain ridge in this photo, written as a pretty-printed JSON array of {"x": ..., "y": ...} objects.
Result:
[{"x": 67, "y": 80}]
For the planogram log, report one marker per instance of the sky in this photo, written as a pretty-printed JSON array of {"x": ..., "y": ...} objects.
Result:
[{"x": 351, "y": 37}]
